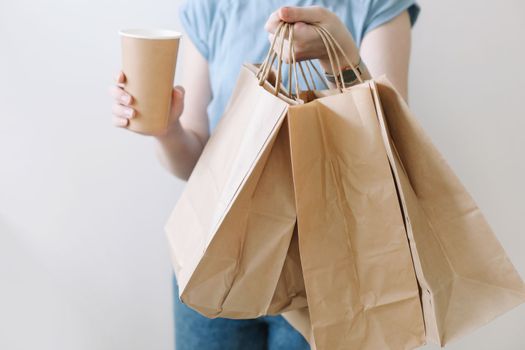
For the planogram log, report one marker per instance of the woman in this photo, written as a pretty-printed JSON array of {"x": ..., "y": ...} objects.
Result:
[{"x": 223, "y": 35}]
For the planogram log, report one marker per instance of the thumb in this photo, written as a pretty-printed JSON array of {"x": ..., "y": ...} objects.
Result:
[
  {"x": 307, "y": 14},
  {"x": 177, "y": 101}
]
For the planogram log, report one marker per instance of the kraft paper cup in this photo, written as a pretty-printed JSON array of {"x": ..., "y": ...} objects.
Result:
[{"x": 149, "y": 59}]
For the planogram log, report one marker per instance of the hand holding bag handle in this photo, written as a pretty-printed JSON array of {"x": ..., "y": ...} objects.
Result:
[{"x": 334, "y": 51}]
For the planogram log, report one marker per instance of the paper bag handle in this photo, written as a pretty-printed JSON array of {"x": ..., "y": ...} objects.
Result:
[
  {"x": 331, "y": 40},
  {"x": 332, "y": 48},
  {"x": 277, "y": 53}
]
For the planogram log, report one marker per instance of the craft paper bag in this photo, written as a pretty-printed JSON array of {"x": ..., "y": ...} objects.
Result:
[
  {"x": 231, "y": 229},
  {"x": 359, "y": 277},
  {"x": 465, "y": 275}
]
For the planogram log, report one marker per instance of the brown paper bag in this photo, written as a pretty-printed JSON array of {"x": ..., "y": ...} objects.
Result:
[
  {"x": 290, "y": 293},
  {"x": 231, "y": 230},
  {"x": 359, "y": 277},
  {"x": 465, "y": 276}
]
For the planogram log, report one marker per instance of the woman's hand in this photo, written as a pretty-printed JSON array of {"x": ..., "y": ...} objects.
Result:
[
  {"x": 307, "y": 43},
  {"x": 123, "y": 109}
]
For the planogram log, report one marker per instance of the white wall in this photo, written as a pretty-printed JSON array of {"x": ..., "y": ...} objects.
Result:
[{"x": 83, "y": 258}]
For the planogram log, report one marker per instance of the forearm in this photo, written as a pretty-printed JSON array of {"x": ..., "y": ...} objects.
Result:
[
  {"x": 386, "y": 50},
  {"x": 179, "y": 150}
]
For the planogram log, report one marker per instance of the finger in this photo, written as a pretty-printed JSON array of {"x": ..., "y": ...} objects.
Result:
[
  {"x": 120, "y": 95},
  {"x": 177, "y": 104},
  {"x": 305, "y": 37},
  {"x": 303, "y": 31},
  {"x": 120, "y": 78},
  {"x": 179, "y": 92},
  {"x": 121, "y": 111},
  {"x": 180, "y": 89},
  {"x": 308, "y": 14},
  {"x": 272, "y": 22},
  {"x": 120, "y": 122}
]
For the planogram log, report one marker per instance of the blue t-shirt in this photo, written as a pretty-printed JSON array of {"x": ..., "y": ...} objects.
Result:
[{"x": 229, "y": 33}]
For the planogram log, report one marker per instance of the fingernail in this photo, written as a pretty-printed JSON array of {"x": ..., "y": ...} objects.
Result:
[
  {"x": 130, "y": 112},
  {"x": 125, "y": 99}
]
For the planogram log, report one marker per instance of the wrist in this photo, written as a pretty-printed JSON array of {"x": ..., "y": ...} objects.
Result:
[
  {"x": 349, "y": 75},
  {"x": 174, "y": 131}
]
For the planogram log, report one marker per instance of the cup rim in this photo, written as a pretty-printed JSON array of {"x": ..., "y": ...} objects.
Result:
[{"x": 150, "y": 33}]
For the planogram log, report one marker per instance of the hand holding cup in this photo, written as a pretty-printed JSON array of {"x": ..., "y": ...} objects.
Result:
[
  {"x": 145, "y": 100},
  {"x": 123, "y": 107}
]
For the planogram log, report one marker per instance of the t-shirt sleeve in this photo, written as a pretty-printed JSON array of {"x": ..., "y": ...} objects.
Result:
[
  {"x": 382, "y": 11},
  {"x": 196, "y": 17}
]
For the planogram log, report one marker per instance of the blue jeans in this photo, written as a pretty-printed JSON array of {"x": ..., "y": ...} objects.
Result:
[{"x": 196, "y": 332}]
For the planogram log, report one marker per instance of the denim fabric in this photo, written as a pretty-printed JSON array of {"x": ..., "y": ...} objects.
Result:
[{"x": 196, "y": 332}]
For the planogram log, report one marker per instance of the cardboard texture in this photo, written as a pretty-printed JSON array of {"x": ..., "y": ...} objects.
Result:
[
  {"x": 149, "y": 66},
  {"x": 339, "y": 213}
]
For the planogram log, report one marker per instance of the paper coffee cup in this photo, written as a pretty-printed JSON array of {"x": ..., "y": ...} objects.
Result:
[{"x": 149, "y": 59}]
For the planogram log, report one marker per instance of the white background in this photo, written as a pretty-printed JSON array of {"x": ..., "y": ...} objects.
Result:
[{"x": 83, "y": 257}]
